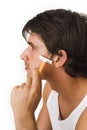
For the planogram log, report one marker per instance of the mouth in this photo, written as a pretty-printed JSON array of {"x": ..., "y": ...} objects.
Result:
[{"x": 26, "y": 67}]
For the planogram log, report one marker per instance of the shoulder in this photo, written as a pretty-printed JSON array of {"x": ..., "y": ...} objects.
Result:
[
  {"x": 82, "y": 122},
  {"x": 46, "y": 92}
]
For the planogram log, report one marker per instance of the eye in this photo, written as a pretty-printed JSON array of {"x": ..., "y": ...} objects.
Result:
[{"x": 31, "y": 45}]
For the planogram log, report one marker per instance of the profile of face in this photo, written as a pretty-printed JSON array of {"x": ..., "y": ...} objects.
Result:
[{"x": 31, "y": 54}]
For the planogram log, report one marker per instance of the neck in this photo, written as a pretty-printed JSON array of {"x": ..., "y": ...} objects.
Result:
[{"x": 70, "y": 88}]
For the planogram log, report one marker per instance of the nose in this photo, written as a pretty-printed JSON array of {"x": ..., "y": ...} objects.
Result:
[{"x": 24, "y": 55}]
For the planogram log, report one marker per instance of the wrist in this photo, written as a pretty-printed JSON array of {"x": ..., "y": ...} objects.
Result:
[{"x": 26, "y": 122}]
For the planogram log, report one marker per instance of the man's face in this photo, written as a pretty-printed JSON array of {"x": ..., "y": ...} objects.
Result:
[{"x": 31, "y": 54}]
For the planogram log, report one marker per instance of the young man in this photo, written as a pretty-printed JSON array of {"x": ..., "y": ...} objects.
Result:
[{"x": 59, "y": 35}]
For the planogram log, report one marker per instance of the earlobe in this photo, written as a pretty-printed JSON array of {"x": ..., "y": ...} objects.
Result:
[{"x": 59, "y": 60}]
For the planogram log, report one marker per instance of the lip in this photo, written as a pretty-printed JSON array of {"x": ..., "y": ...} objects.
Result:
[{"x": 26, "y": 67}]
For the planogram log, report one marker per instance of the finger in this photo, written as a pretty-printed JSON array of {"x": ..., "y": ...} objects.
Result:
[
  {"x": 36, "y": 81},
  {"x": 28, "y": 82}
]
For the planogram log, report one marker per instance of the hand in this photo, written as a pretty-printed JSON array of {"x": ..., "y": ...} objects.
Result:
[{"x": 25, "y": 98}]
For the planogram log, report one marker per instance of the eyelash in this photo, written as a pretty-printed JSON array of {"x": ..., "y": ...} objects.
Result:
[{"x": 31, "y": 46}]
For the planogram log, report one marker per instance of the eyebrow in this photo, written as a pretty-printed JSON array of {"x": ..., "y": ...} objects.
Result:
[{"x": 32, "y": 44}]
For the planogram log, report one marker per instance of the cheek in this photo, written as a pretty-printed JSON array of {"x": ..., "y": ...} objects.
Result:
[
  {"x": 43, "y": 52},
  {"x": 35, "y": 61},
  {"x": 34, "y": 58}
]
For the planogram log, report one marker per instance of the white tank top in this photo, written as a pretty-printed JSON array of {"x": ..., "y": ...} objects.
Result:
[{"x": 70, "y": 122}]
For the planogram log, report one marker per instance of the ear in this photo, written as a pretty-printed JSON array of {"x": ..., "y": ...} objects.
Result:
[{"x": 60, "y": 59}]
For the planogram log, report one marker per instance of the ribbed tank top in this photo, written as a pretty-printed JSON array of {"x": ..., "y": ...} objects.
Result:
[{"x": 70, "y": 122}]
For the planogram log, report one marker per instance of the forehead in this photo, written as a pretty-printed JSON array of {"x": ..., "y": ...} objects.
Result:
[{"x": 35, "y": 39}]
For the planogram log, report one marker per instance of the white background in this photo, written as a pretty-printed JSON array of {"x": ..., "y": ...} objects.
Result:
[{"x": 13, "y": 15}]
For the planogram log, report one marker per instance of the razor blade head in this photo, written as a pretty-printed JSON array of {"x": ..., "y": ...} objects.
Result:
[{"x": 44, "y": 59}]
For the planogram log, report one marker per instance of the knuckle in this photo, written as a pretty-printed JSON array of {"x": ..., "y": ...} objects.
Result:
[
  {"x": 23, "y": 84},
  {"x": 18, "y": 87},
  {"x": 15, "y": 88}
]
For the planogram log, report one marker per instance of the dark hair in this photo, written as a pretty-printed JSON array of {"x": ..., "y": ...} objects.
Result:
[{"x": 63, "y": 29}]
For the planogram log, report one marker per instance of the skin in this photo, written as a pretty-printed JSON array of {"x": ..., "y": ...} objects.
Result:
[
  {"x": 25, "y": 98},
  {"x": 33, "y": 51}
]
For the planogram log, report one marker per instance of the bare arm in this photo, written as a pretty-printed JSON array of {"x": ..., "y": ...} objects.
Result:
[
  {"x": 43, "y": 121},
  {"x": 24, "y": 101},
  {"x": 25, "y": 122},
  {"x": 82, "y": 122}
]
